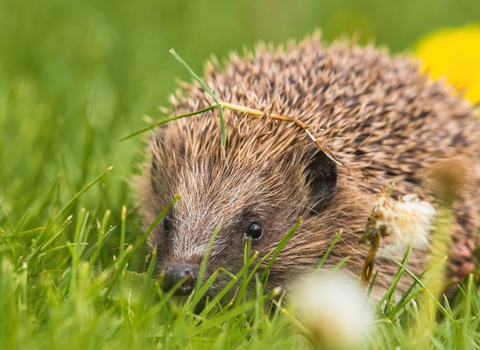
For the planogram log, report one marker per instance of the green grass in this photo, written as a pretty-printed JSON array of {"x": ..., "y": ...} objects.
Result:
[
  {"x": 76, "y": 77},
  {"x": 64, "y": 286}
]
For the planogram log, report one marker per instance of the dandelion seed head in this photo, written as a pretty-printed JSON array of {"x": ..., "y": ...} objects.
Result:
[
  {"x": 408, "y": 221},
  {"x": 335, "y": 312}
]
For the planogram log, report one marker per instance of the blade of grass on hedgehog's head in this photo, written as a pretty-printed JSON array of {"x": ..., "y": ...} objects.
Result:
[
  {"x": 218, "y": 104},
  {"x": 195, "y": 76},
  {"x": 167, "y": 120},
  {"x": 223, "y": 129}
]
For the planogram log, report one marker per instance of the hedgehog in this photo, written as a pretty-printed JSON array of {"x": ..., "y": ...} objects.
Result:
[{"x": 374, "y": 111}]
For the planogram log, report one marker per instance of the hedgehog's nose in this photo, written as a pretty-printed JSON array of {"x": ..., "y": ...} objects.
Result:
[{"x": 177, "y": 272}]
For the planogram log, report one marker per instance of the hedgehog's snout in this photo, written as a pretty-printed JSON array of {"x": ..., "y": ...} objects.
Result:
[{"x": 180, "y": 272}]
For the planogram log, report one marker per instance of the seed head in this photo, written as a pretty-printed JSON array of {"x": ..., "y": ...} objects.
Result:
[
  {"x": 334, "y": 310},
  {"x": 407, "y": 220}
]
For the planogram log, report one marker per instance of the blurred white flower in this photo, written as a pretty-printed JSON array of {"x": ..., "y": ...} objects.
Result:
[
  {"x": 335, "y": 312},
  {"x": 407, "y": 220}
]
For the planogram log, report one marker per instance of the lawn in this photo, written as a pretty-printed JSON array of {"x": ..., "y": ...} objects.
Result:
[{"x": 76, "y": 77}]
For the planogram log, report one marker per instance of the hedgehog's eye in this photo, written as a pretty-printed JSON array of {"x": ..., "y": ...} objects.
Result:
[
  {"x": 168, "y": 223},
  {"x": 254, "y": 231}
]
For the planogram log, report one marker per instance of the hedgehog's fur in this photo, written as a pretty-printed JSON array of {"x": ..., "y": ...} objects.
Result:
[{"x": 375, "y": 112}]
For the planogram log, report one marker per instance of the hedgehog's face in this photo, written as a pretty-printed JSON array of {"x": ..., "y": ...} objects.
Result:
[{"x": 244, "y": 200}]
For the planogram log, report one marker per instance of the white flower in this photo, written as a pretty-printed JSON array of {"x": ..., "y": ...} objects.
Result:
[
  {"x": 408, "y": 221},
  {"x": 335, "y": 311}
]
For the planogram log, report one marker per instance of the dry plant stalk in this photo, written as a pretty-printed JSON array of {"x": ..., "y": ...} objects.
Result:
[
  {"x": 259, "y": 114},
  {"x": 372, "y": 234}
]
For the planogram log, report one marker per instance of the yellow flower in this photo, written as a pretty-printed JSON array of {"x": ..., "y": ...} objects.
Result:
[{"x": 454, "y": 53}]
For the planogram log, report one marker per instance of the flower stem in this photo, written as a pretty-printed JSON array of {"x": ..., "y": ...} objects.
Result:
[{"x": 367, "y": 270}]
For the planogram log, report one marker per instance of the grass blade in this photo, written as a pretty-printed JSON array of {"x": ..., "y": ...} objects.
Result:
[
  {"x": 123, "y": 259},
  {"x": 203, "y": 266},
  {"x": 195, "y": 76},
  {"x": 280, "y": 246},
  {"x": 74, "y": 198},
  {"x": 327, "y": 253},
  {"x": 166, "y": 120},
  {"x": 23, "y": 233},
  {"x": 223, "y": 129}
]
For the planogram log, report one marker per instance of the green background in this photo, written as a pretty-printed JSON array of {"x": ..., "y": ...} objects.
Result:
[{"x": 76, "y": 76}]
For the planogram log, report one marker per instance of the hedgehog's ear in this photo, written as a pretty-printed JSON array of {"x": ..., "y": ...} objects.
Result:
[{"x": 321, "y": 174}]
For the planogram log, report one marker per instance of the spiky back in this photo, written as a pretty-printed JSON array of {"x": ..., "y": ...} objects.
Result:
[
  {"x": 361, "y": 101},
  {"x": 375, "y": 112}
]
